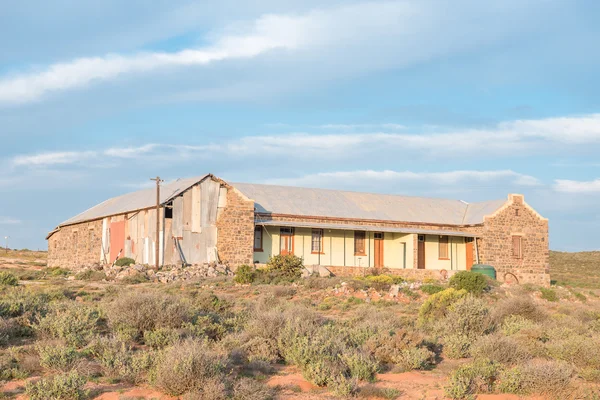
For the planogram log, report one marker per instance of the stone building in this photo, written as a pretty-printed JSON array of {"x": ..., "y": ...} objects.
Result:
[{"x": 206, "y": 219}]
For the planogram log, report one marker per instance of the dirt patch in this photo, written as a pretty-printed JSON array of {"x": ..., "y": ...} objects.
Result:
[{"x": 292, "y": 379}]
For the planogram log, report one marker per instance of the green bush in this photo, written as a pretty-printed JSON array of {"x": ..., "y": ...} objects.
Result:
[
  {"x": 436, "y": 306},
  {"x": 57, "y": 271},
  {"x": 60, "y": 387},
  {"x": 549, "y": 294},
  {"x": 135, "y": 279},
  {"x": 134, "y": 313},
  {"x": 537, "y": 377},
  {"x": 20, "y": 301},
  {"x": 475, "y": 377},
  {"x": 74, "y": 322},
  {"x": 244, "y": 274},
  {"x": 124, "y": 262},
  {"x": 118, "y": 361},
  {"x": 500, "y": 348},
  {"x": 161, "y": 337},
  {"x": 249, "y": 389},
  {"x": 9, "y": 328},
  {"x": 8, "y": 279},
  {"x": 288, "y": 265},
  {"x": 431, "y": 288},
  {"x": 472, "y": 282},
  {"x": 90, "y": 275},
  {"x": 403, "y": 348},
  {"x": 185, "y": 366},
  {"x": 522, "y": 306},
  {"x": 465, "y": 321},
  {"x": 57, "y": 357}
]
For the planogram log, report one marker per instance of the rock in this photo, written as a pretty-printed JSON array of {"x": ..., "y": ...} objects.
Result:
[
  {"x": 71, "y": 278},
  {"x": 139, "y": 267},
  {"x": 394, "y": 290},
  {"x": 306, "y": 273}
]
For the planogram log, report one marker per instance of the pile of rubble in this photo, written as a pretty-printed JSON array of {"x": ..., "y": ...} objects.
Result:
[{"x": 165, "y": 274}]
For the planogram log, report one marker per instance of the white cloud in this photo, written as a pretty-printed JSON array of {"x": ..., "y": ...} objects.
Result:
[
  {"x": 52, "y": 158},
  {"x": 338, "y": 41},
  {"x": 439, "y": 178},
  {"x": 9, "y": 221},
  {"x": 582, "y": 187}
]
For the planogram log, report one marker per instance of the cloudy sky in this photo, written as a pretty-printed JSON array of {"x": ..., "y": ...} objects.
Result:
[{"x": 466, "y": 99}]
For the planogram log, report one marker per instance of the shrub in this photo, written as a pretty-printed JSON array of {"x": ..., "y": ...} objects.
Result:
[
  {"x": 185, "y": 366},
  {"x": 500, "y": 348},
  {"x": 60, "y": 387},
  {"x": 249, "y": 389},
  {"x": 537, "y": 376},
  {"x": 8, "y": 279},
  {"x": 360, "y": 365},
  {"x": 57, "y": 271},
  {"x": 212, "y": 389},
  {"x": 124, "y": 262},
  {"x": 373, "y": 392},
  {"x": 472, "y": 378},
  {"x": 521, "y": 305},
  {"x": 57, "y": 357},
  {"x": 514, "y": 324},
  {"x": 431, "y": 288},
  {"x": 161, "y": 337},
  {"x": 289, "y": 265},
  {"x": 74, "y": 322},
  {"x": 137, "y": 312},
  {"x": 118, "y": 361},
  {"x": 436, "y": 306},
  {"x": 402, "y": 348},
  {"x": 90, "y": 275},
  {"x": 17, "y": 301},
  {"x": 135, "y": 279},
  {"x": 466, "y": 319},
  {"x": 9, "y": 328},
  {"x": 549, "y": 294},
  {"x": 244, "y": 274},
  {"x": 472, "y": 282}
]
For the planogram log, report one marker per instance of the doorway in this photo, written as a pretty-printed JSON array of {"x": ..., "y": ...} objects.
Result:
[
  {"x": 469, "y": 250},
  {"x": 286, "y": 241},
  {"x": 378, "y": 250},
  {"x": 421, "y": 252}
]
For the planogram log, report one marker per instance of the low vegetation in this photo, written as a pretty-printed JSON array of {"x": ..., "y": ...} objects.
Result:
[{"x": 227, "y": 338}]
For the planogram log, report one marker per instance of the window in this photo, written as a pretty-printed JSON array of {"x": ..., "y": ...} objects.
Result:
[
  {"x": 443, "y": 248},
  {"x": 421, "y": 238},
  {"x": 378, "y": 235},
  {"x": 258, "y": 238},
  {"x": 359, "y": 243},
  {"x": 516, "y": 212},
  {"x": 317, "y": 241},
  {"x": 517, "y": 248}
]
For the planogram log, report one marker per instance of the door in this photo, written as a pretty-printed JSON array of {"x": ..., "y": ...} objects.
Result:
[
  {"x": 469, "y": 250},
  {"x": 378, "y": 249},
  {"x": 117, "y": 239},
  {"x": 286, "y": 241},
  {"x": 421, "y": 252}
]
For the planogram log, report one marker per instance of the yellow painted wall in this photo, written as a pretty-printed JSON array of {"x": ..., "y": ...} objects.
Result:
[
  {"x": 334, "y": 251},
  {"x": 456, "y": 253}
]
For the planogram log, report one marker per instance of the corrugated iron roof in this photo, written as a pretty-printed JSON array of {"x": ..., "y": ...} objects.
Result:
[
  {"x": 274, "y": 199},
  {"x": 134, "y": 201},
  {"x": 369, "y": 228}
]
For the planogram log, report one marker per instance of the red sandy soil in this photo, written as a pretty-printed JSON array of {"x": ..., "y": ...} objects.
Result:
[{"x": 137, "y": 393}]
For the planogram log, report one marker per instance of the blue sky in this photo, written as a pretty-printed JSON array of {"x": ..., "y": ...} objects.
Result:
[{"x": 465, "y": 99}]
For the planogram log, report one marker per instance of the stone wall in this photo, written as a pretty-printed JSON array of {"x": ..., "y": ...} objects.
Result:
[
  {"x": 235, "y": 230},
  {"x": 75, "y": 245},
  {"x": 516, "y": 218}
]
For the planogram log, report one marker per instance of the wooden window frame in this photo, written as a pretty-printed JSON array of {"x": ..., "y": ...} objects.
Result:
[
  {"x": 312, "y": 241},
  {"x": 288, "y": 231},
  {"x": 256, "y": 229},
  {"x": 517, "y": 254},
  {"x": 364, "y": 242},
  {"x": 443, "y": 240}
]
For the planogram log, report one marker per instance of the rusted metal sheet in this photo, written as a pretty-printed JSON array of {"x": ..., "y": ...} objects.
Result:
[
  {"x": 187, "y": 211},
  {"x": 178, "y": 217},
  {"x": 151, "y": 227},
  {"x": 169, "y": 245},
  {"x": 196, "y": 196},
  {"x": 117, "y": 239}
]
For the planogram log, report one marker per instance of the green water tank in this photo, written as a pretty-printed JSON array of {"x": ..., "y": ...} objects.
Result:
[{"x": 485, "y": 270}]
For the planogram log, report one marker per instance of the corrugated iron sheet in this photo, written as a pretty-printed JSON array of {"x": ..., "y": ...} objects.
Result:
[
  {"x": 273, "y": 199},
  {"x": 134, "y": 201}
]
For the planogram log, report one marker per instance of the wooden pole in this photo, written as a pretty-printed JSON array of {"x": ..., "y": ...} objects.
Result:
[{"x": 156, "y": 249}]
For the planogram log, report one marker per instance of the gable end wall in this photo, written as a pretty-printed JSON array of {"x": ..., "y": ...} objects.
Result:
[
  {"x": 496, "y": 247},
  {"x": 235, "y": 230}
]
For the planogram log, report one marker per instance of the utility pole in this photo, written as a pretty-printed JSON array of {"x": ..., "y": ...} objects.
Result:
[{"x": 156, "y": 249}]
